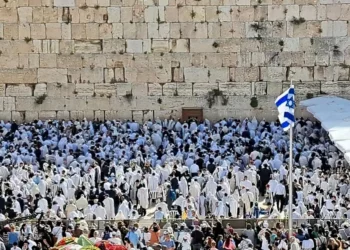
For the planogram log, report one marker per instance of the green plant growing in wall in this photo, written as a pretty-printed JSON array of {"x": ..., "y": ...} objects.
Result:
[
  {"x": 309, "y": 95},
  {"x": 224, "y": 100},
  {"x": 40, "y": 99},
  {"x": 256, "y": 27},
  {"x": 159, "y": 100},
  {"x": 215, "y": 44},
  {"x": 254, "y": 102},
  {"x": 193, "y": 14},
  {"x": 27, "y": 39},
  {"x": 212, "y": 96},
  {"x": 128, "y": 96},
  {"x": 297, "y": 21},
  {"x": 336, "y": 51}
]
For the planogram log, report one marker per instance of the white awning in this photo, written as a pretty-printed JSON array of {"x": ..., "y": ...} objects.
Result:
[{"x": 334, "y": 115}]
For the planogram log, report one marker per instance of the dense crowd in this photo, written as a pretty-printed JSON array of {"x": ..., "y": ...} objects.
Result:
[{"x": 119, "y": 170}]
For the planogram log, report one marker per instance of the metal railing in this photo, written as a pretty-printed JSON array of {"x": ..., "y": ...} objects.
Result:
[{"x": 235, "y": 223}]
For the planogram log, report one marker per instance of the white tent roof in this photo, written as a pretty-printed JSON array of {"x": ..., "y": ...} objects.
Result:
[{"x": 334, "y": 115}]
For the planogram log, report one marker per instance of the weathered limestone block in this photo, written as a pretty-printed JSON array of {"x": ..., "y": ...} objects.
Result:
[
  {"x": 23, "y": 31},
  {"x": 184, "y": 89},
  {"x": 70, "y": 61},
  {"x": 2, "y": 89},
  {"x": 340, "y": 28},
  {"x": 259, "y": 88},
  {"x": 8, "y": 15},
  {"x": 273, "y": 74},
  {"x": 47, "y": 115},
  {"x": 246, "y": 74},
  {"x": 171, "y": 14},
  {"x": 196, "y": 75},
  {"x": 203, "y": 45},
  {"x": 301, "y": 74},
  {"x": 228, "y": 45},
  {"x": 335, "y": 88},
  {"x": 180, "y": 45},
  {"x": 37, "y": 31},
  {"x": 84, "y": 89},
  {"x": 340, "y": 73},
  {"x": 274, "y": 88},
  {"x": 11, "y": 32},
  {"x": 53, "y": 31},
  {"x": 52, "y": 75},
  {"x": 50, "y": 15},
  {"x": 170, "y": 89},
  {"x": 276, "y": 12},
  {"x": 218, "y": 75},
  {"x": 18, "y": 90},
  {"x": 246, "y": 14},
  {"x": 40, "y": 89},
  {"x": 123, "y": 89},
  {"x": 61, "y": 115},
  {"x": 113, "y": 14},
  {"x": 237, "y": 88},
  {"x": 139, "y": 89},
  {"x": 308, "y": 12},
  {"x": 134, "y": 46},
  {"x": 18, "y": 76},
  {"x": 32, "y": 115},
  {"x": 160, "y": 45},
  {"x": 105, "y": 89},
  {"x": 113, "y": 46},
  {"x": 64, "y": 3},
  {"x": 9, "y": 61},
  {"x": 155, "y": 89},
  {"x": 9, "y": 103},
  {"x": 202, "y": 89},
  {"x": 333, "y": 11},
  {"x": 89, "y": 75},
  {"x": 48, "y": 61},
  {"x": 82, "y": 47}
]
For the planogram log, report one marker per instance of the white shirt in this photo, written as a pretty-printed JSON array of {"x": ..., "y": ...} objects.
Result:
[
  {"x": 280, "y": 189},
  {"x": 158, "y": 215},
  {"x": 194, "y": 168}
]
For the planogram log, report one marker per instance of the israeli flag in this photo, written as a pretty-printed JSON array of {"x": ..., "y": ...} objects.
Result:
[{"x": 285, "y": 105}]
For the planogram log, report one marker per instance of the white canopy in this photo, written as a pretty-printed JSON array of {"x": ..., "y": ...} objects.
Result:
[{"x": 334, "y": 115}]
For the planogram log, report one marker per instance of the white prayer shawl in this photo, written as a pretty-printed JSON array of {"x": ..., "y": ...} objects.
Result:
[
  {"x": 211, "y": 186},
  {"x": 219, "y": 210},
  {"x": 153, "y": 182},
  {"x": 43, "y": 205},
  {"x": 143, "y": 197},
  {"x": 64, "y": 188},
  {"x": 183, "y": 186},
  {"x": 195, "y": 189},
  {"x": 179, "y": 202},
  {"x": 100, "y": 212},
  {"x": 109, "y": 206},
  {"x": 201, "y": 204},
  {"x": 124, "y": 208},
  {"x": 233, "y": 206}
]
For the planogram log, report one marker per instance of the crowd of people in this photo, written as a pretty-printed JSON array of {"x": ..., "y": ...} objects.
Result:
[{"x": 118, "y": 170}]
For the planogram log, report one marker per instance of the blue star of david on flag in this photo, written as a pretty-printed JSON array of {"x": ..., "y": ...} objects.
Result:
[{"x": 285, "y": 105}]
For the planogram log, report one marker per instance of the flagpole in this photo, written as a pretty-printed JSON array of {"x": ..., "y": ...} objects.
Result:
[{"x": 290, "y": 221}]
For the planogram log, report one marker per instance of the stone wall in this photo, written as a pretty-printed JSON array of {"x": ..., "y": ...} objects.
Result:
[{"x": 149, "y": 58}]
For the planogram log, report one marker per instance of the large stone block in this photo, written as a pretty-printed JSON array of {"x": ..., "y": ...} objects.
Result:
[
  {"x": 196, "y": 75},
  {"x": 18, "y": 76},
  {"x": 8, "y": 15},
  {"x": 52, "y": 75},
  {"x": 18, "y": 90},
  {"x": 92, "y": 46}
]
